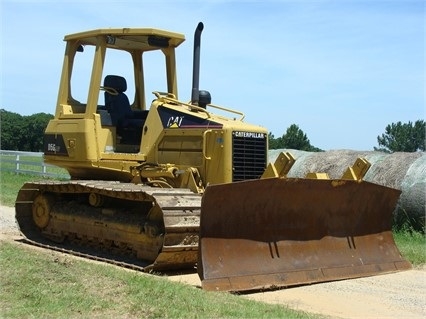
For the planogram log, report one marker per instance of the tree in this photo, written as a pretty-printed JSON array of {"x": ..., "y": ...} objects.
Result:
[
  {"x": 403, "y": 137},
  {"x": 34, "y": 126},
  {"x": 11, "y": 128},
  {"x": 274, "y": 143},
  {"x": 23, "y": 133},
  {"x": 294, "y": 138}
]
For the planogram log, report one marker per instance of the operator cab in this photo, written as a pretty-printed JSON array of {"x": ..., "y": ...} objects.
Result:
[{"x": 112, "y": 72}]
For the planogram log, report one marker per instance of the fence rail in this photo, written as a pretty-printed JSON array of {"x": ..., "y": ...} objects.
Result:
[{"x": 29, "y": 163}]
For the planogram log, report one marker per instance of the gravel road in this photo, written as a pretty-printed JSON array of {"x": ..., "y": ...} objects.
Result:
[{"x": 398, "y": 295}]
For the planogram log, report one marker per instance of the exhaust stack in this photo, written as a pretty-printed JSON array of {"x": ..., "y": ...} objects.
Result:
[{"x": 195, "y": 95}]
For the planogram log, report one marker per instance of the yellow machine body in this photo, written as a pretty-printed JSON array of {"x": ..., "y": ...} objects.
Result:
[
  {"x": 84, "y": 139},
  {"x": 139, "y": 170}
]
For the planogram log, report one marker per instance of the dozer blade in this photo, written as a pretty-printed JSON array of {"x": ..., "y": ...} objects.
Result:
[{"x": 282, "y": 232}]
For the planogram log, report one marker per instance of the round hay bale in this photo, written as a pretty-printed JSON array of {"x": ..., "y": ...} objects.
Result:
[
  {"x": 411, "y": 206},
  {"x": 403, "y": 171}
]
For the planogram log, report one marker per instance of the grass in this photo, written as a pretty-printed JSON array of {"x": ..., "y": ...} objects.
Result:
[
  {"x": 412, "y": 246},
  {"x": 28, "y": 163},
  {"x": 10, "y": 183},
  {"x": 40, "y": 284}
]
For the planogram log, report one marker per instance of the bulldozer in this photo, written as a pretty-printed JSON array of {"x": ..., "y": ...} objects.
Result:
[{"x": 179, "y": 185}]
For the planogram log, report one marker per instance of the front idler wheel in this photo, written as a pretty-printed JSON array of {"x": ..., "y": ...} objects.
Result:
[{"x": 41, "y": 210}]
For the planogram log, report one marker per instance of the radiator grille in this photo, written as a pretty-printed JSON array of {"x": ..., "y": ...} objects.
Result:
[{"x": 249, "y": 155}]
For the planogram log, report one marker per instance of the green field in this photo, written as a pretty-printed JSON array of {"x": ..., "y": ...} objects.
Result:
[{"x": 10, "y": 183}]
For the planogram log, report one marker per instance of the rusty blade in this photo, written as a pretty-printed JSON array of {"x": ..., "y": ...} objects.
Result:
[{"x": 283, "y": 232}]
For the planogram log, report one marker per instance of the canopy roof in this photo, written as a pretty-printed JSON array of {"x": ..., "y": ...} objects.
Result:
[{"x": 129, "y": 38}]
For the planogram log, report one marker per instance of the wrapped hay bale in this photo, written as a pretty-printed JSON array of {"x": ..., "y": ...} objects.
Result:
[{"x": 403, "y": 171}]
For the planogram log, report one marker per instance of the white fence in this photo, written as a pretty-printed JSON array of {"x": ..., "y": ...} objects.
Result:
[{"x": 29, "y": 163}]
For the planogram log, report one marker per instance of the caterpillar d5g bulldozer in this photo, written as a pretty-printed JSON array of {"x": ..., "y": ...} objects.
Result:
[{"x": 139, "y": 180}]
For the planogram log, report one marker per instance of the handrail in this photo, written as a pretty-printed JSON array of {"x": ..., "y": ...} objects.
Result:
[
  {"x": 170, "y": 97},
  {"x": 208, "y": 158},
  {"x": 229, "y": 110}
]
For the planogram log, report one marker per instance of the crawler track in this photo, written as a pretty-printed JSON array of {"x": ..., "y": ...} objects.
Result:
[{"x": 133, "y": 226}]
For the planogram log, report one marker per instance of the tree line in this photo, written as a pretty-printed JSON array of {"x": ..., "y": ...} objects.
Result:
[
  {"x": 398, "y": 137},
  {"x": 25, "y": 133}
]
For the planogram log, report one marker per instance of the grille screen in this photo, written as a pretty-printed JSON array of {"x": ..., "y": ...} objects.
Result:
[{"x": 249, "y": 155}]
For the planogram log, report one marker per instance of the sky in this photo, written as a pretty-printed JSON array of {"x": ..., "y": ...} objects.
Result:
[{"x": 340, "y": 70}]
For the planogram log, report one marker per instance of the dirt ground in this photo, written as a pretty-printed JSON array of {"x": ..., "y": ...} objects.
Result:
[{"x": 398, "y": 295}]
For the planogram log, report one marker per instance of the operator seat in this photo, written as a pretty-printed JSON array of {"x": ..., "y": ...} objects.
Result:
[
  {"x": 117, "y": 105},
  {"x": 129, "y": 128}
]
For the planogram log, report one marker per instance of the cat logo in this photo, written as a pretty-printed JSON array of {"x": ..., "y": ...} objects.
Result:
[{"x": 174, "y": 121}]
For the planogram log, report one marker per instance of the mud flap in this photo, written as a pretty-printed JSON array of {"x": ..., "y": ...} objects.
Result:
[{"x": 282, "y": 232}]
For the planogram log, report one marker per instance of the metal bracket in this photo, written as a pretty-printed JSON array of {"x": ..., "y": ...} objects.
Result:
[
  {"x": 357, "y": 171},
  {"x": 281, "y": 167}
]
